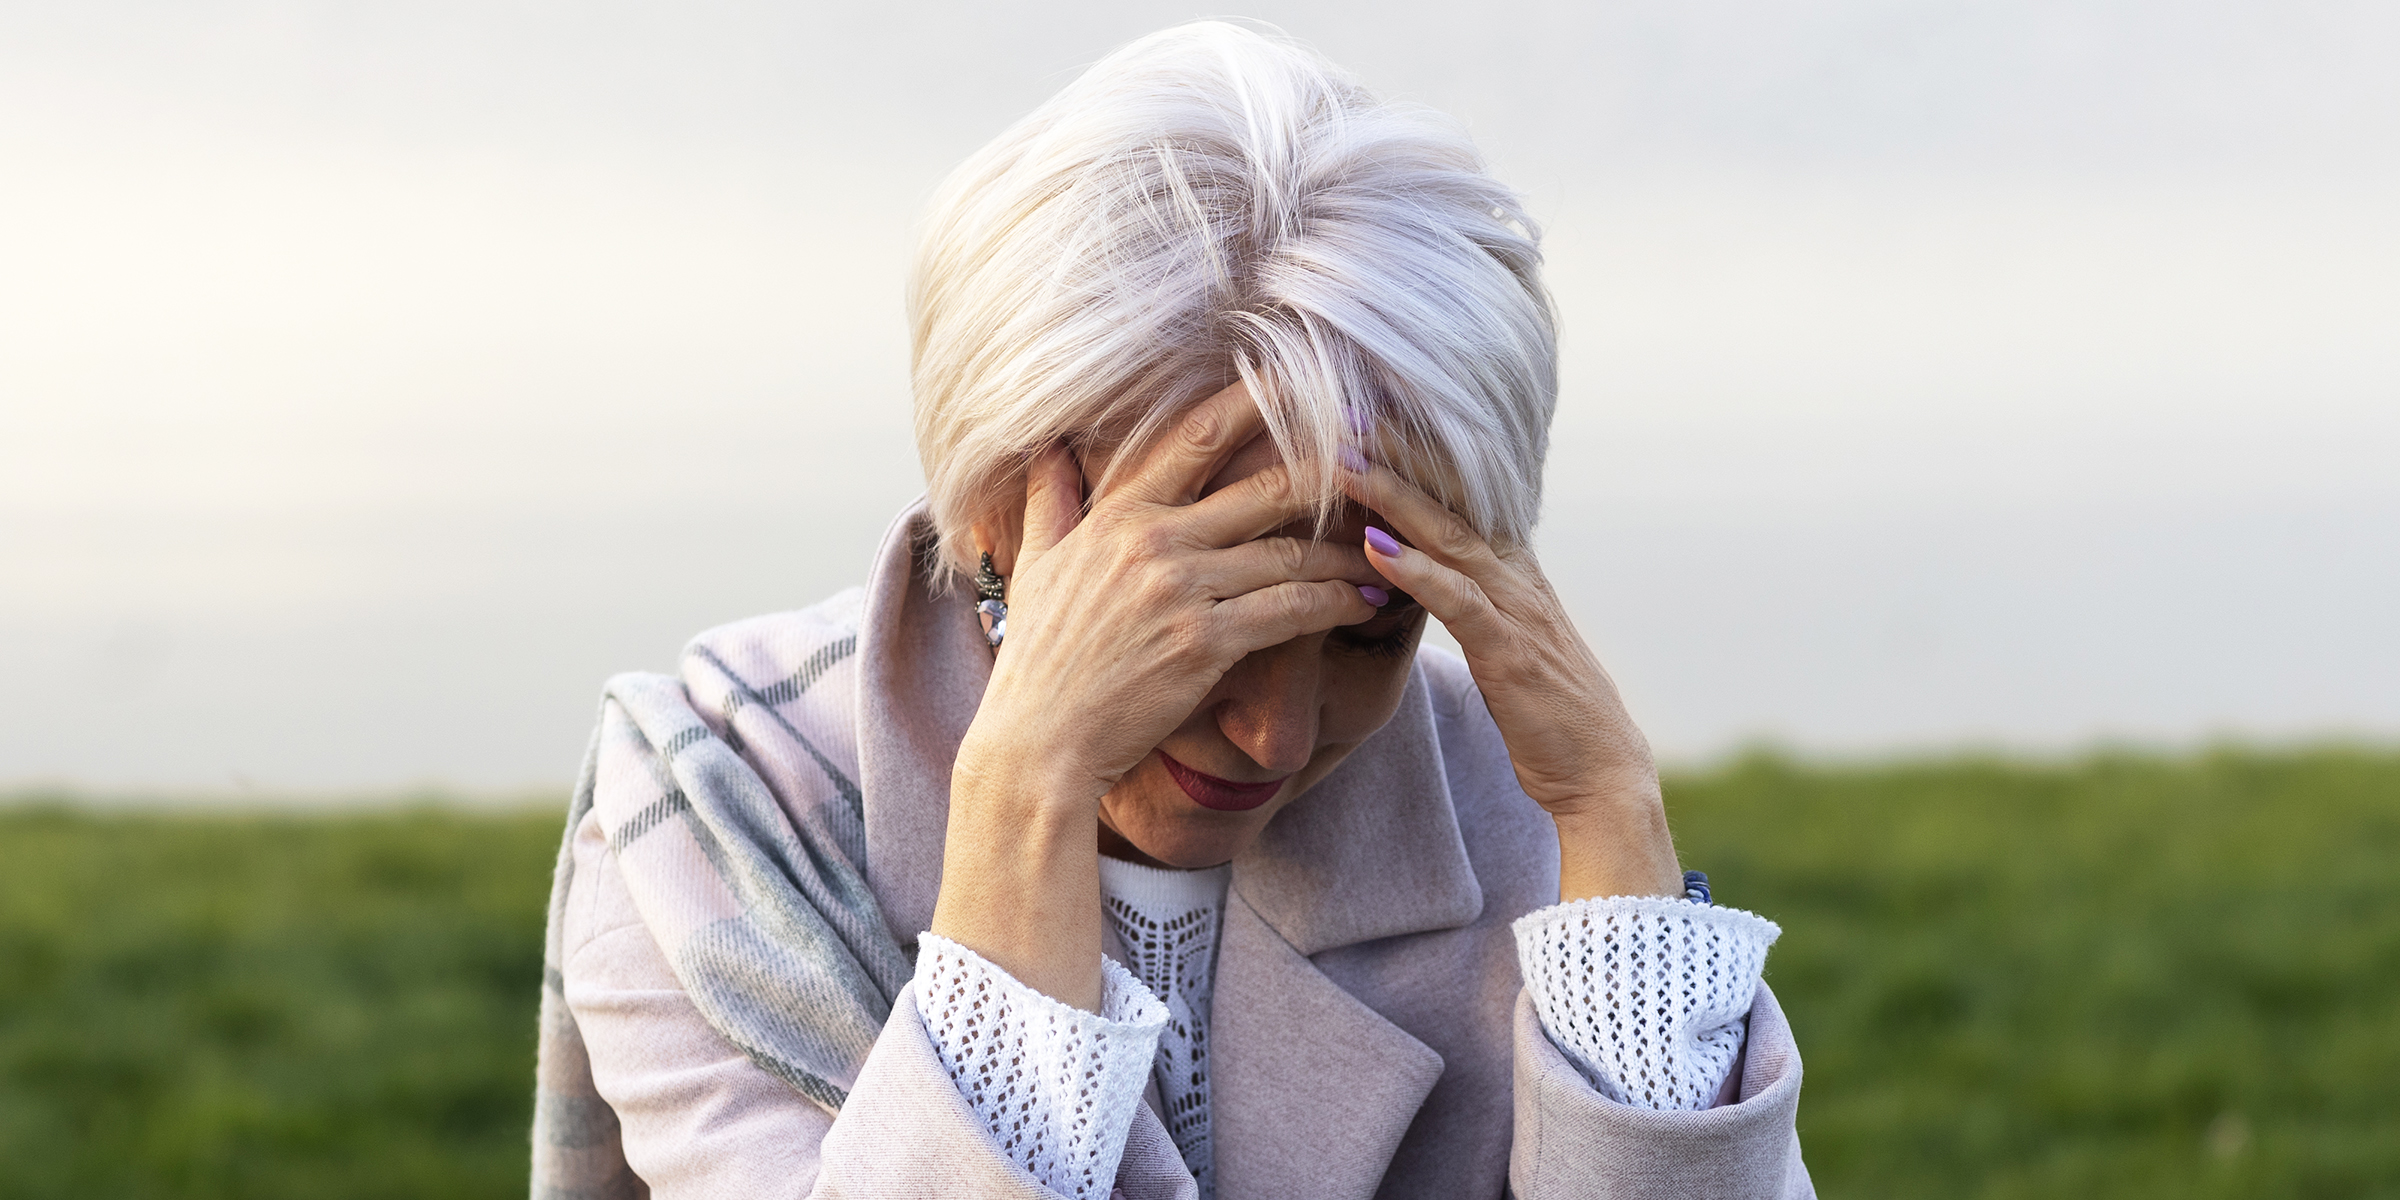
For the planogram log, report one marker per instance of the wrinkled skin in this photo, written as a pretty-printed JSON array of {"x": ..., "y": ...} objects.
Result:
[{"x": 1189, "y": 614}]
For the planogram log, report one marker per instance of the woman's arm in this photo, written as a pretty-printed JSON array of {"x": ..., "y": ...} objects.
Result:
[{"x": 1636, "y": 1008}]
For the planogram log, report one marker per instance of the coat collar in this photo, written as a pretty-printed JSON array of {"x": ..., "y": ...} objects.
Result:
[
  {"x": 922, "y": 667},
  {"x": 1372, "y": 851}
]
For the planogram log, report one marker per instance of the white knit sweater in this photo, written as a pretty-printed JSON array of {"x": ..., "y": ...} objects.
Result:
[
  {"x": 1648, "y": 997},
  {"x": 1167, "y": 922}
]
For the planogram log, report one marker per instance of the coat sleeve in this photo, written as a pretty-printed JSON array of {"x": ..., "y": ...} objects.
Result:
[
  {"x": 700, "y": 1121},
  {"x": 1572, "y": 1143}
]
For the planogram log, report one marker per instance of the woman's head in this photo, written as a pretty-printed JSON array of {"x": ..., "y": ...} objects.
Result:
[
  {"x": 1211, "y": 205},
  {"x": 1208, "y": 208}
]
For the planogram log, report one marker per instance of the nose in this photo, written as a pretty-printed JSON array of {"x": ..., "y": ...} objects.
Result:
[{"x": 1268, "y": 703}]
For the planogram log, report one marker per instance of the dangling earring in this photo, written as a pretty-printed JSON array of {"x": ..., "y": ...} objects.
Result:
[{"x": 992, "y": 610}]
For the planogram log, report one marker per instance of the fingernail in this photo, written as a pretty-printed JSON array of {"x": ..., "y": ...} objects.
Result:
[
  {"x": 1352, "y": 460},
  {"x": 1375, "y": 595},
  {"x": 1382, "y": 543}
]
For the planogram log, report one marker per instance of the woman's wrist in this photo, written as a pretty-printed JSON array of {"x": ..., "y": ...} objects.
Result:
[
  {"x": 1021, "y": 880},
  {"x": 1026, "y": 777},
  {"x": 1618, "y": 845}
]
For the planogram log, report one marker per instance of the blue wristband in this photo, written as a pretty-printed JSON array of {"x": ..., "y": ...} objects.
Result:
[{"x": 1695, "y": 887}]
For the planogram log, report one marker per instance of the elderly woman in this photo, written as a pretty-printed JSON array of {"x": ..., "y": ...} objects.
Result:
[{"x": 1119, "y": 837}]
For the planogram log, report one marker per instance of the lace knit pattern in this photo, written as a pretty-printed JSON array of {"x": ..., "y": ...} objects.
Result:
[
  {"x": 1648, "y": 997},
  {"x": 1170, "y": 944},
  {"x": 1056, "y": 1086}
]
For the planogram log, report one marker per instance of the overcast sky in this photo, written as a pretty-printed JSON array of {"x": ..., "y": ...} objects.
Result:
[{"x": 376, "y": 379}]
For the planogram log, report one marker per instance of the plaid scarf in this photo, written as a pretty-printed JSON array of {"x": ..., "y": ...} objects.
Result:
[{"x": 757, "y": 903}]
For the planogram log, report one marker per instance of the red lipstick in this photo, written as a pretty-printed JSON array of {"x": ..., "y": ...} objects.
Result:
[{"x": 1223, "y": 795}]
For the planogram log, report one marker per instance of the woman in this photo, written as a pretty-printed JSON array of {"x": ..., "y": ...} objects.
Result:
[{"x": 1117, "y": 837}]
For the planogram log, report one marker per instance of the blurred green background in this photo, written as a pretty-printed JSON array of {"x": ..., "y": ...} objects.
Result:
[{"x": 2124, "y": 975}]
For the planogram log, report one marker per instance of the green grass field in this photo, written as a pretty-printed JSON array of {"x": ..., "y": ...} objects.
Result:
[{"x": 2122, "y": 976}]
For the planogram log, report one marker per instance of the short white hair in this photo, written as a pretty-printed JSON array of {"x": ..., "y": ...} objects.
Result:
[{"x": 1211, "y": 204}]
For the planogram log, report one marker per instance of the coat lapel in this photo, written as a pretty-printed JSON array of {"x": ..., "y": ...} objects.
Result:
[
  {"x": 922, "y": 668},
  {"x": 1309, "y": 1089}
]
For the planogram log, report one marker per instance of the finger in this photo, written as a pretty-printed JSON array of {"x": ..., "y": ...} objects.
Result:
[
  {"x": 1454, "y": 598},
  {"x": 1269, "y": 561},
  {"x": 1274, "y": 615},
  {"x": 1247, "y": 508},
  {"x": 1420, "y": 518},
  {"x": 1192, "y": 452},
  {"x": 1053, "y": 501}
]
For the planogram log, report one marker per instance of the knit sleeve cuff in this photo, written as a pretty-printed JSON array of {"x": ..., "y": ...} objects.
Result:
[
  {"x": 1057, "y": 1087},
  {"x": 1648, "y": 997}
]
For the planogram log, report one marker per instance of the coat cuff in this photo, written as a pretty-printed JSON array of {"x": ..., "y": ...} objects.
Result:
[
  {"x": 1571, "y": 1143},
  {"x": 1646, "y": 996},
  {"x": 1056, "y": 1086}
]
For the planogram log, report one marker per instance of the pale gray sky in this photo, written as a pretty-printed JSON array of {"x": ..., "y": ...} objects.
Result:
[{"x": 375, "y": 379}]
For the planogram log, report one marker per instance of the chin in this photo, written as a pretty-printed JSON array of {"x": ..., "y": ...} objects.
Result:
[
  {"x": 1166, "y": 826},
  {"x": 1189, "y": 844}
]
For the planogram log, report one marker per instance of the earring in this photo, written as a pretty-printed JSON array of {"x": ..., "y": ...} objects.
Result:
[{"x": 992, "y": 610}]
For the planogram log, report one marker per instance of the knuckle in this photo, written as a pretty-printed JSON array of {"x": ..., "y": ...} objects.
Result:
[
  {"x": 1273, "y": 485},
  {"x": 1455, "y": 540},
  {"x": 1105, "y": 519},
  {"x": 1172, "y": 577},
  {"x": 1201, "y": 429},
  {"x": 1289, "y": 555},
  {"x": 1294, "y": 603},
  {"x": 1153, "y": 541},
  {"x": 1473, "y": 599}
]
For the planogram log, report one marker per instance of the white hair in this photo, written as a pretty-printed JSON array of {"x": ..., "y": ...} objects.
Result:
[{"x": 1213, "y": 203}]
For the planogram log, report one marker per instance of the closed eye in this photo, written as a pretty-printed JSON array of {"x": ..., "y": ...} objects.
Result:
[{"x": 1390, "y": 633}]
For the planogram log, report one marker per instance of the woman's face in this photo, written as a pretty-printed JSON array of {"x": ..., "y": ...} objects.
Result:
[{"x": 1273, "y": 726}]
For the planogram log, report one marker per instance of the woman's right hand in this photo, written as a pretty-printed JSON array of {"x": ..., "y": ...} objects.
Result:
[{"x": 1119, "y": 622}]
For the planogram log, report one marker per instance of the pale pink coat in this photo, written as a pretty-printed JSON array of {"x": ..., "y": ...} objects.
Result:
[{"x": 1370, "y": 1036}]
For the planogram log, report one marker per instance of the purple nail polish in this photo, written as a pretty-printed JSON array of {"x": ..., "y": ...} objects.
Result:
[
  {"x": 1352, "y": 460},
  {"x": 1382, "y": 543},
  {"x": 1375, "y": 595}
]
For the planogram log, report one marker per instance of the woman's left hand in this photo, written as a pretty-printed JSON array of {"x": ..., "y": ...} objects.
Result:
[{"x": 1576, "y": 750}]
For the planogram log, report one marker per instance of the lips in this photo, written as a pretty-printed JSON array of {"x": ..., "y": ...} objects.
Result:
[{"x": 1223, "y": 795}]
